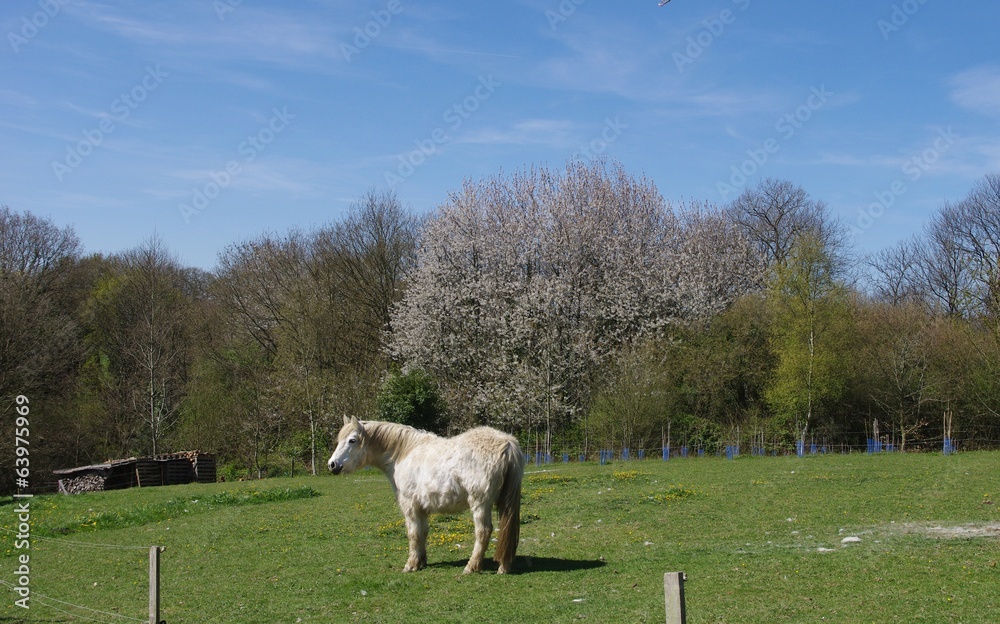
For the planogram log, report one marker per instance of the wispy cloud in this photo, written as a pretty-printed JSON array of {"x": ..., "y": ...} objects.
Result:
[
  {"x": 248, "y": 33},
  {"x": 433, "y": 51},
  {"x": 555, "y": 133},
  {"x": 633, "y": 62},
  {"x": 978, "y": 89},
  {"x": 853, "y": 160},
  {"x": 291, "y": 178},
  {"x": 594, "y": 59},
  {"x": 966, "y": 157},
  {"x": 16, "y": 98}
]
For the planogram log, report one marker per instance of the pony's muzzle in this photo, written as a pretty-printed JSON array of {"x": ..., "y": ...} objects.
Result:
[{"x": 336, "y": 468}]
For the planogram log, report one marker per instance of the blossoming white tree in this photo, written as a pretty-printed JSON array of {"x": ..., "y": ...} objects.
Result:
[{"x": 527, "y": 283}]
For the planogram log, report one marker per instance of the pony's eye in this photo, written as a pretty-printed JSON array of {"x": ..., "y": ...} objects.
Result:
[{"x": 352, "y": 441}]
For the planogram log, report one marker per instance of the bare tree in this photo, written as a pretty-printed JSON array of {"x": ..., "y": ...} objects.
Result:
[
  {"x": 894, "y": 273},
  {"x": 975, "y": 223},
  {"x": 40, "y": 347},
  {"x": 266, "y": 299},
  {"x": 359, "y": 265},
  {"x": 255, "y": 281},
  {"x": 945, "y": 268},
  {"x": 318, "y": 305},
  {"x": 140, "y": 330},
  {"x": 898, "y": 366},
  {"x": 774, "y": 214},
  {"x": 37, "y": 333}
]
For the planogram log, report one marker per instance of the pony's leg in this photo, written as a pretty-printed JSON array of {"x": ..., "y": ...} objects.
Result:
[
  {"x": 482, "y": 517},
  {"x": 416, "y": 531}
]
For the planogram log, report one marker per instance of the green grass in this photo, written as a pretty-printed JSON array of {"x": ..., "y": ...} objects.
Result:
[
  {"x": 48, "y": 523},
  {"x": 759, "y": 538}
]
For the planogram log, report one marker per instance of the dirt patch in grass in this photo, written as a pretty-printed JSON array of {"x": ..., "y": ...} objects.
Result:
[{"x": 963, "y": 531}]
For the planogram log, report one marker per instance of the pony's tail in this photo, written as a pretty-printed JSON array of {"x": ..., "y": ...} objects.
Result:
[{"x": 509, "y": 507}]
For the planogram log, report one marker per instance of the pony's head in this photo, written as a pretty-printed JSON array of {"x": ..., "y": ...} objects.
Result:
[{"x": 350, "y": 452}]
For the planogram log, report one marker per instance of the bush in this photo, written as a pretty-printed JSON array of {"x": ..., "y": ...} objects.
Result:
[
  {"x": 233, "y": 472},
  {"x": 412, "y": 398}
]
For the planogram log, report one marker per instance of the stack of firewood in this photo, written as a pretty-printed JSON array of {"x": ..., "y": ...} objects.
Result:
[
  {"x": 79, "y": 485},
  {"x": 182, "y": 455}
]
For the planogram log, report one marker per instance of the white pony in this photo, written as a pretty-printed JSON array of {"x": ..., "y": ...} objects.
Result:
[{"x": 429, "y": 474}]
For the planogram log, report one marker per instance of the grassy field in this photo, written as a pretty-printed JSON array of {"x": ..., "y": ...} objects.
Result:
[{"x": 759, "y": 538}]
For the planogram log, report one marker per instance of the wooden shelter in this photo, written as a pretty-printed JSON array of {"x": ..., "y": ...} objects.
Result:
[{"x": 170, "y": 469}]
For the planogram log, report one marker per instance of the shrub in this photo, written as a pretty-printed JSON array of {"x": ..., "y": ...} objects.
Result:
[{"x": 412, "y": 398}]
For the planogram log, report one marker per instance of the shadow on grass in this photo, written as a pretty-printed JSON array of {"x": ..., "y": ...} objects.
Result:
[{"x": 527, "y": 565}]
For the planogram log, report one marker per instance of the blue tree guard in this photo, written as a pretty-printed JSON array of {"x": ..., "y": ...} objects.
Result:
[
  {"x": 949, "y": 446},
  {"x": 666, "y": 453}
]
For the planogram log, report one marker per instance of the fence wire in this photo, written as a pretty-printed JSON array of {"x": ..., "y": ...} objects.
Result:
[
  {"x": 35, "y": 595},
  {"x": 60, "y": 540},
  {"x": 51, "y": 603}
]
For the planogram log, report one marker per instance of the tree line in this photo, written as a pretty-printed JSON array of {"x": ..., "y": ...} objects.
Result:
[{"x": 574, "y": 307}]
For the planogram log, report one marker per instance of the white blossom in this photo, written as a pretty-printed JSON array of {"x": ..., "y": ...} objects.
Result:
[{"x": 526, "y": 284}]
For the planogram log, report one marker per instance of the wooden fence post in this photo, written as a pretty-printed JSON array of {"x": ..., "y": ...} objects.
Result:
[
  {"x": 154, "y": 584},
  {"x": 673, "y": 591}
]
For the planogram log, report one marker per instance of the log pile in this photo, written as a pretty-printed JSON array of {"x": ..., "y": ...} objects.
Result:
[
  {"x": 79, "y": 485},
  {"x": 189, "y": 455},
  {"x": 165, "y": 469}
]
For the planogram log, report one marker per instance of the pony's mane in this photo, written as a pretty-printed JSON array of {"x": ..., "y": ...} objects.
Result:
[{"x": 393, "y": 438}]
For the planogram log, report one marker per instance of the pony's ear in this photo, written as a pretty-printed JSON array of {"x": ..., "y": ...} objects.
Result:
[{"x": 354, "y": 422}]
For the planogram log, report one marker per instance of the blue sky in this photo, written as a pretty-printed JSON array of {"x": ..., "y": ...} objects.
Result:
[{"x": 207, "y": 123}]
